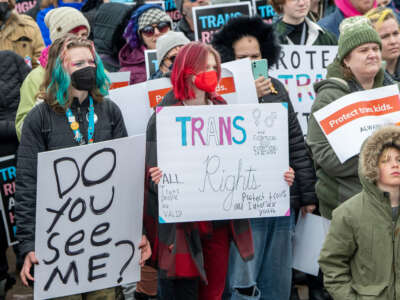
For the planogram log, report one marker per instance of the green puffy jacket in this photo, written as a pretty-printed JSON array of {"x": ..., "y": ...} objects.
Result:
[
  {"x": 360, "y": 256},
  {"x": 336, "y": 182},
  {"x": 28, "y": 92}
]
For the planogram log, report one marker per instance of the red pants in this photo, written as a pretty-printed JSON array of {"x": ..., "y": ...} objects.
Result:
[{"x": 216, "y": 256}]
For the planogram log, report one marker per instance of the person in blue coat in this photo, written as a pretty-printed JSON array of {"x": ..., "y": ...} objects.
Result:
[{"x": 345, "y": 9}]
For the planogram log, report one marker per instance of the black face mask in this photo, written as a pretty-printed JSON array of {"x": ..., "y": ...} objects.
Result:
[
  {"x": 4, "y": 9},
  {"x": 84, "y": 79}
]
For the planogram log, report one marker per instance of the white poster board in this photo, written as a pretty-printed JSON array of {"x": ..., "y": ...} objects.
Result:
[
  {"x": 156, "y": 89},
  {"x": 309, "y": 238},
  {"x": 299, "y": 67},
  {"x": 89, "y": 217},
  {"x": 244, "y": 89},
  {"x": 132, "y": 101},
  {"x": 119, "y": 79},
  {"x": 356, "y": 116},
  {"x": 222, "y": 162}
]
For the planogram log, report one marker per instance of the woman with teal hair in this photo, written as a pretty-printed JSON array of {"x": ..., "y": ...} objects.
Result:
[{"x": 74, "y": 112}]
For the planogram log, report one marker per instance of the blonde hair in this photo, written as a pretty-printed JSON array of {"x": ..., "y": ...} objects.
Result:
[
  {"x": 380, "y": 14},
  {"x": 384, "y": 156}
]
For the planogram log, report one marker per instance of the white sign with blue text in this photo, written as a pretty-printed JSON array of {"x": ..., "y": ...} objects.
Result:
[
  {"x": 222, "y": 162},
  {"x": 298, "y": 68}
]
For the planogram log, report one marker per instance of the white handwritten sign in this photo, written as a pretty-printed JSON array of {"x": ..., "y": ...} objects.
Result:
[
  {"x": 89, "y": 217},
  {"x": 299, "y": 67},
  {"x": 355, "y": 116},
  {"x": 222, "y": 162}
]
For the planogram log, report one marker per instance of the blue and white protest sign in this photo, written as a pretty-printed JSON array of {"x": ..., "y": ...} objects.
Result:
[
  {"x": 222, "y": 162},
  {"x": 299, "y": 67},
  {"x": 208, "y": 19},
  {"x": 8, "y": 173},
  {"x": 264, "y": 9},
  {"x": 172, "y": 10},
  {"x": 150, "y": 58}
]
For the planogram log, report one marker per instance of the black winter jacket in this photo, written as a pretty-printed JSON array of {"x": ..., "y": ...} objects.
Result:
[
  {"x": 46, "y": 130},
  {"x": 302, "y": 191},
  {"x": 108, "y": 26},
  {"x": 13, "y": 71},
  {"x": 183, "y": 26}
]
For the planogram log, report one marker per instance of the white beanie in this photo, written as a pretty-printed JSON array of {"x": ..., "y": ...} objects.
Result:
[
  {"x": 62, "y": 20},
  {"x": 167, "y": 42}
]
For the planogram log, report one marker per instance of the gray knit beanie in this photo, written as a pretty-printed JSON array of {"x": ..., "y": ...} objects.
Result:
[{"x": 167, "y": 42}]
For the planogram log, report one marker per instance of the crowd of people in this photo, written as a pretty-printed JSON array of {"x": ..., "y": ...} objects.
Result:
[{"x": 54, "y": 87}]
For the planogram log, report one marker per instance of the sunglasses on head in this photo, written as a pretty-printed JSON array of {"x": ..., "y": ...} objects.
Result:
[{"x": 150, "y": 29}]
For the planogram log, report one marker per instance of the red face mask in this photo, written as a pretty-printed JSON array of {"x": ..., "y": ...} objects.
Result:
[{"x": 206, "y": 81}]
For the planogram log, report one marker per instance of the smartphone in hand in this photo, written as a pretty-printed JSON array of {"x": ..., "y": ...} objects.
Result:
[{"x": 260, "y": 68}]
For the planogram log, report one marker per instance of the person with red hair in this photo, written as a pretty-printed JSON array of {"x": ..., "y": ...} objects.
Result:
[
  {"x": 197, "y": 59},
  {"x": 192, "y": 257}
]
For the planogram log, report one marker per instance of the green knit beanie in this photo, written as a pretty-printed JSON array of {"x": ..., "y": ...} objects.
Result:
[{"x": 355, "y": 31}]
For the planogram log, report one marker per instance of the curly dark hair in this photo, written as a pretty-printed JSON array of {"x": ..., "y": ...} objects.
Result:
[{"x": 240, "y": 27}]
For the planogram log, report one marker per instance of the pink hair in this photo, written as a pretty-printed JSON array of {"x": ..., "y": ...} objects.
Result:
[{"x": 191, "y": 60}]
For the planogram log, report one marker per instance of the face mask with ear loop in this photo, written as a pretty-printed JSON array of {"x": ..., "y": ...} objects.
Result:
[
  {"x": 84, "y": 79},
  {"x": 206, "y": 81}
]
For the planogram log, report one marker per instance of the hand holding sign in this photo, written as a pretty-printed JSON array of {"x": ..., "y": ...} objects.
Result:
[
  {"x": 155, "y": 174},
  {"x": 25, "y": 274},
  {"x": 289, "y": 177},
  {"x": 145, "y": 250}
]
